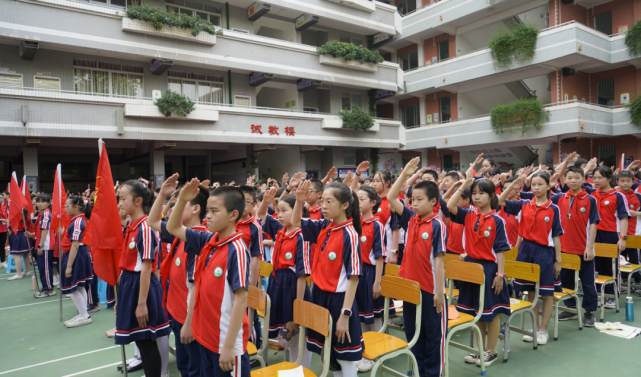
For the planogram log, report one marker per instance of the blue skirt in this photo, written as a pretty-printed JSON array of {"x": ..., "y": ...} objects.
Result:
[
  {"x": 468, "y": 300},
  {"x": 81, "y": 271},
  {"x": 544, "y": 256},
  {"x": 111, "y": 297},
  {"x": 368, "y": 308},
  {"x": 282, "y": 293},
  {"x": 18, "y": 243},
  {"x": 348, "y": 351},
  {"x": 127, "y": 328}
]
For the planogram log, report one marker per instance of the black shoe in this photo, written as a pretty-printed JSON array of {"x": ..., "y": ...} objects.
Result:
[
  {"x": 588, "y": 319},
  {"x": 254, "y": 364},
  {"x": 566, "y": 316},
  {"x": 489, "y": 359}
]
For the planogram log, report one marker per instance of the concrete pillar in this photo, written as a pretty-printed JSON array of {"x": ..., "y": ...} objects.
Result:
[
  {"x": 421, "y": 109},
  {"x": 397, "y": 114},
  {"x": 419, "y": 3},
  {"x": 421, "y": 55},
  {"x": 30, "y": 167},
  {"x": 424, "y": 158},
  {"x": 157, "y": 169}
]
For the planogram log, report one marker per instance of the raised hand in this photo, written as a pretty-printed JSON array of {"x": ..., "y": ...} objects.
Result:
[
  {"x": 270, "y": 195},
  {"x": 362, "y": 168},
  {"x": 411, "y": 167},
  {"x": 303, "y": 191},
  {"x": 295, "y": 181},
  {"x": 169, "y": 186},
  {"x": 348, "y": 179},
  {"x": 190, "y": 190}
]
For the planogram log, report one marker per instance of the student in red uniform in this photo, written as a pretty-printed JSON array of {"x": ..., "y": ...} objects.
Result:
[
  {"x": 382, "y": 183},
  {"x": 336, "y": 270},
  {"x": 76, "y": 268},
  {"x": 45, "y": 241},
  {"x": 315, "y": 193},
  {"x": 19, "y": 248},
  {"x": 4, "y": 221},
  {"x": 140, "y": 317},
  {"x": 292, "y": 265},
  {"x": 625, "y": 181},
  {"x": 579, "y": 218},
  {"x": 219, "y": 321},
  {"x": 423, "y": 262},
  {"x": 177, "y": 274},
  {"x": 540, "y": 228},
  {"x": 511, "y": 221},
  {"x": 485, "y": 244}
]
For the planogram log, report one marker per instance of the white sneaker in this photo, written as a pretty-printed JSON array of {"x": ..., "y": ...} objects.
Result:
[
  {"x": 489, "y": 357},
  {"x": 72, "y": 319},
  {"x": 471, "y": 358},
  {"x": 610, "y": 303},
  {"x": 3, "y": 265},
  {"x": 79, "y": 321},
  {"x": 365, "y": 365},
  {"x": 542, "y": 337},
  {"x": 16, "y": 277},
  {"x": 56, "y": 281},
  {"x": 28, "y": 273}
]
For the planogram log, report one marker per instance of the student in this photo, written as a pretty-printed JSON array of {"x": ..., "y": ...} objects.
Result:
[
  {"x": 579, "y": 219},
  {"x": 315, "y": 193},
  {"x": 540, "y": 228},
  {"x": 4, "y": 222},
  {"x": 625, "y": 181},
  {"x": 177, "y": 274},
  {"x": 335, "y": 271},
  {"x": 45, "y": 240},
  {"x": 455, "y": 231},
  {"x": 423, "y": 262},
  {"x": 382, "y": 183},
  {"x": 140, "y": 317},
  {"x": 292, "y": 265},
  {"x": 511, "y": 221},
  {"x": 219, "y": 316},
  {"x": 76, "y": 268},
  {"x": 19, "y": 248}
]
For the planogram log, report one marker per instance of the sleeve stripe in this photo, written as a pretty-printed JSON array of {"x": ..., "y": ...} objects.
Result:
[
  {"x": 76, "y": 229},
  {"x": 625, "y": 202},
  {"x": 353, "y": 237},
  {"x": 241, "y": 252},
  {"x": 306, "y": 265},
  {"x": 146, "y": 247},
  {"x": 443, "y": 234},
  {"x": 259, "y": 229},
  {"x": 382, "y": 231},
  {"x": 46, "y": 216}
]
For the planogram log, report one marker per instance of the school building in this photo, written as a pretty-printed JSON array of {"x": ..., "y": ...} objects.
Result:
[{"x": 74, "y": 71}]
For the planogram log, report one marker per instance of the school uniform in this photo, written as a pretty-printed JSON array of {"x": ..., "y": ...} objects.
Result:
[
  {"x": 371, "y": 248},
  {"x": 18, "y": 241},
  {"x": 538, "y": 226},
  {"x": 81, "y": 270},
  {"x": 314, "y": 214},
  {"x": 45, "y": 261},
  {"x": 385, "y": 218},
  {"x": 222, "y": 268},
  {"x": 3, "y": 226},
  {"x": 177, "y": 279},
  {"x": 426, "y": 239},
  {"x": 634, "y": 229},
  {"x": 511, "y": 225},
  {"x": 578, "y": 212},
  {"x": 290, "y": 260},
  {"x": 141, "y": 243},
  {"x": 337, "y": 258},
  {"x": 485, "y": 236},
  {"x": 456, "y": 234}
]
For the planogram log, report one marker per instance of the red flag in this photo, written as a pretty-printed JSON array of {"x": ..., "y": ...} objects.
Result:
[
  {"x": 27, "y": 195},
  {"x": 17, "y": 203},
  {"x": 622, "y": 163},
  {"x": 59, "y": 218},
  {"x": 104, "y": 232}
]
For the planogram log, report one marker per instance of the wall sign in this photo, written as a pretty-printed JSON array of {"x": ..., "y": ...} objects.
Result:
[{"x": 625, "y": 98}]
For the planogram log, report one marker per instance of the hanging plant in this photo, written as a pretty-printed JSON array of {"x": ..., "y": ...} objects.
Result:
[
  {"x": 356, "y": 119},
  {"x": 373, "y": 159},
  {"x": 159, "y": 17},
  {"x": 372, "y": 101},
  {"x": 174, "y": 103},
  {"x": 633, "y": 39},
  {"x": 518, "y": 42},
  {"x": 635, "y": 110},
  {"x": 529, "y": 112},
  {"x": 350, "y": 52}
]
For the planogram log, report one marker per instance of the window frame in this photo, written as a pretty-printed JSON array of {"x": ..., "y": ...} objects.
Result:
[
  {"x": 35, "y": 77},
  {"x": 14, "y": 74},
  {"x": 110, "y": 94},
  {"x": 417, "y": 115},
  {"x": 182, "y": 80},
  {"x": 108, "y": 4},
  {"x": 219, "y": 15}
]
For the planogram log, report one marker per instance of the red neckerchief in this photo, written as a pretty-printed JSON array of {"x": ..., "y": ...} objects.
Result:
[
  {"x": 418, "y": 225},
  {"x": 535, "y": 210},
  {"x": 580, "y": 195},
  {"x": 280, "y": 238},
  {"x": 249, "y": 220}
]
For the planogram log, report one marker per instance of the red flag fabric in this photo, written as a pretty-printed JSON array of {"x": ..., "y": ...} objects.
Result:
[
  {"x": 59, "y": 216},
  {"x": 17, "y": 203},
  {"x": 27, "y": 195},
  {"x": 622, "y": 163},
  {"x": 104, "y": 232}
]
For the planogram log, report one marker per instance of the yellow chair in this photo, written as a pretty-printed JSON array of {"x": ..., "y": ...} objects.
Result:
[
  {"x": 523, "y": 271},
  {"x": 471, "y": 273},
  {"x": 633, "y": 242},
  {"x": 569, "y": 262},
  {"x": 452, "y": 293},
  {"x": 258, "y": 300},
  {"x": 393, "y": 271},
  {"x": 380, "y": 346},
  {"x": 606, "y": 250},
  {"x": 306, "y": 315},
  {"x": 512, "y": 253}
]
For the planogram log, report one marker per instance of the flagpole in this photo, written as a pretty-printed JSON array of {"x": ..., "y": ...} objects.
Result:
[
  {"x": 60, "y": 208},
  {"x": 31, "y": 255}
]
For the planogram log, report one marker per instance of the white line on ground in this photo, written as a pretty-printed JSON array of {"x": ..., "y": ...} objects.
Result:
[
  {"x": 91, "y": 370},
  {"x": 53, "y": 361},
  {"x": 35, "y": 303}
]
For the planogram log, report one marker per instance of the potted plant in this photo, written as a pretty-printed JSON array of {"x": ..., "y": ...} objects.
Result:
[
  {"x": 356, "y": 119},
  {"x": 529, "y": 112},
  {"x": 173, "y": 103},
  {"x": 347, "y": 55}
]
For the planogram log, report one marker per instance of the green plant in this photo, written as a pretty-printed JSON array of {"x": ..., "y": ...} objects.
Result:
[
  {"x": 529, "y": 112},
  {"x": 518, "y": 42},
  {"x": 253, "y": 161},
  {"x": 372, "y": 101},
  {"x": 356, "y": 119},
  {"x": 173, "y": 102},
  {"x": 159, "y": 17},
  {"x": 633, "y": 39},
  {"x": 373, "y": 159},
  {"x": 635, "y": 111},
  {"x": 349, "y": 52}
]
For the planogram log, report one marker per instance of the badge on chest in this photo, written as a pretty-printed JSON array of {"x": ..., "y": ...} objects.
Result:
[{"x": 132, "y": 244}]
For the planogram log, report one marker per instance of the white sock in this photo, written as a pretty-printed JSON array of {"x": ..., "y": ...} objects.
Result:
[
  {"x": 348, "y": 369},
  {"x": 293, "y": 353},
  {"x": 377, "y": 325},
  {"x": 80, "y": 301},
  {"x": 163, "y": 347},
  {"x": 136, "y": 351}
]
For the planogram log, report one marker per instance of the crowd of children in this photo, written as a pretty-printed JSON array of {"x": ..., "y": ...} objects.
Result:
[{"x": 191, "y": 252}]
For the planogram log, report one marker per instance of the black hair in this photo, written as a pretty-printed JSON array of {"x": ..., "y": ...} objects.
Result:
[
  {"x": 487, "y": 186},
  {"x": 361, "y": 181},
  {"x": 625, "y": 174},
  {"x": 372, "y": 195},
  {"x": 338, "y": 179},
  {"x": 430, "y": 188},
  {"x": 201, "y": 200},
  {"x": 580, "y": 162},
  {"x": 5, "y": 193},
  {"x": 316, "y": 184},
  {"x": 386, "y": 176},
  {"x": 343, "y": 194},
  {"x": 279, "y": 192},
  {"x": 546, "y": 177},
  {"x": 77, "y": 200},
  {"x": 291, "y": 200},
  {"x": 575, "y": 169},
  {"x": 510, "y": 179},
  {"x": 492, "y": 164},
  {"x": 454, "y": 175},
  {"x": 492, "y": 172},
  {"x": 139, "y": 189},
  {"x": 259, "y": 197},
  {"x": 432, "y": 173},
  {"x": 43, "y": 198},
  {"x": 233, "y": 199},
  {"x": 249, "y": 191},
  {"x": 605, "y": 172}
]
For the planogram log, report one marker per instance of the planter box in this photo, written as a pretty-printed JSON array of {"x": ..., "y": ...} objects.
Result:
[
  {"x": 336, "y": 123},
  {"x": 147, "y": 28},
  {"x": 200, "y": 113},
  {"x": 351, "y": 64}
]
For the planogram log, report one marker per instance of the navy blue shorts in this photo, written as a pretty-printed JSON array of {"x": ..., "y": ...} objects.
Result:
[
  {"x": 81, "y": 271},
  {"x": 468, "y": 299},
  {"x": 210, "y": 367},
  {"x": 18, "y": 243},
  {"x": 282, "y": 293},
  {"x": 429, "y": 350},
  {"x": 544, "y": 256}
]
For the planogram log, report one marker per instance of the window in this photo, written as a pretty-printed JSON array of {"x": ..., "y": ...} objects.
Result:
[
  {"x": 46, "y": 83},
  {"x": 410, "y": 116},
  {"x": 118, "y": 4},
  {"x": 206, "y": 12},
  {"x": 446, "y": 112},
  {"x": 199, "y": 91},
  {"x": 354, "y": 41},
  {"x": 108, "y": 82},
  {"x": 443, "y": 50},
  {"x": 607, "y": 154},
  {"x": 447, "y": 162},
  {"x": 350, "y": 100},
  {"x": 408, "y": 61},
  {"x": 10, "y": 80},
  {"x": 603, "y": 22},
  {"x": 406, "y": 7},
  {"x": 349, "y": 159},
  {"x": 605, "y": 92}
]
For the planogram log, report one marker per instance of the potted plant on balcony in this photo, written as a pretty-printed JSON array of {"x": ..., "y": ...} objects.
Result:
[
  {"x": 635, "y": 110},
  {"x": 173, "y": 103},
  {"x": 529, "y": 112},
  {"x": 342, "y": 54},
  {"x": 356, "y": 119},
  {"x": 515, "y": 42},
  {"x": 633, "y": 39}
]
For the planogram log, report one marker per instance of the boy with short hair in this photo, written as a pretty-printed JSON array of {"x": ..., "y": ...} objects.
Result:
[
  {"x": 315, "y": 193},
  {"x": 625, "y": 181}
]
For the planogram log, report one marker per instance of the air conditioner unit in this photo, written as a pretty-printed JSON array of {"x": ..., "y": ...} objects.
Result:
[
  {"x": 28, "y": 50},
  {"x": 160, "y": 66},
  {"x": 32, "y": 143},
  {"x": 305, "y": 21},
  {"x": 257, "y": 10},
  {"x": 259, "y": 78},
  {"x": 567, "y": 1}
]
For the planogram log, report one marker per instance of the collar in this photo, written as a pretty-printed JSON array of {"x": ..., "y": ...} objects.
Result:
[
  {"x": 544, "y": 206},
  {"x": 75, "y": 217},
  {"x": 426, "y": 220},
  {"x": 199, "y": 228},
  {"x": 292, "y": 234},
  {"x": 478, "y": 212},
  {"x": 580, "y": 195},
  {"x": 133, "y": 226},
  {"x": 214, "y": 242},
  {"x": 612, "y": 191},
  {"x": 370, "y": 220},
  {"x": 315, "y": 209},
  {"x": 334, "y": 226},
  {"x": 248, "y": 221}
]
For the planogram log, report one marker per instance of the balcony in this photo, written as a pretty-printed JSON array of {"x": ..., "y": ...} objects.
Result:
[
  {"x": 72, "y": 114},
  {"x": 568, "y": 119},
  {"x": 567, "y": 45}
]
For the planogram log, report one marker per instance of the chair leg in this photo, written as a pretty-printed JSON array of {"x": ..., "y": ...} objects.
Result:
[
  {"x": 556, "y": 320},
  {"x": 481, "y": 353},
  {"x": 616, "y": 293},
  {"x": 579, "y": 310},
  {"x": 602, "y": 300},
  {"x": 471, "y": 337},
  {"x": 535, "y": 330}
]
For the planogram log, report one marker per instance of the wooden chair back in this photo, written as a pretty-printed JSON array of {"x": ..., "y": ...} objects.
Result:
[
  {"x": 450, "y": 257},
  {"x": 570, "y": 261},
  {"x": 392, "y": 270},
  {"x": 512, "y": 253},
  {"x": 606, "y": 250},
  {"x": 523, "y": 271},
  {"x": 311, "y": 316},
  {"x": 633, "y": 242},
  {"x": 265, "y": 269},
  {"x": 257, "y": 299},
  {"x": 465, "y": 271},
  {"x": 401, "y": 289}
]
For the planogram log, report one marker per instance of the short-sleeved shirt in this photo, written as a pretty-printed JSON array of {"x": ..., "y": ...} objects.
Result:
[
  {"x": 315, "y": 213},
  {"x": 425, "y": 240},
  {"x": 455, "y": 233},
  {"x": 538, "y": 224},
  {"x": 613, "y": 206},
  {"x": 338, "y": 255},
  {"x": 484, "y": 233},
  {"x": 371, "y": 240},
  {"x": 290, "y": 249},
  {"x": 75, "y": 232},
  {"x": 577, "y": 212},
  {"x": 511, "y": 225},
  {"x": 3, "y": 215},
  {"x": 222, "y": 268},
  {"x": 385, "y": 217},
  {"x": 141, "y": 243},
  {"x": 43, "y": 223},
  {"x": 252, "y": 235},
  {"x": 634, "y": 202}
]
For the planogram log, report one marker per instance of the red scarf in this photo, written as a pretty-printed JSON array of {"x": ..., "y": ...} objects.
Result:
[{"x": 535, "y": 210}]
